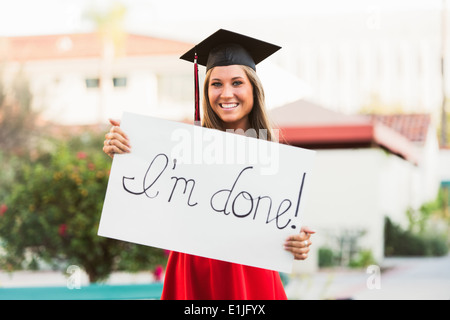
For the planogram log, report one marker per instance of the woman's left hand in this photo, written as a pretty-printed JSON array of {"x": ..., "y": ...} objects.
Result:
[{"x": 299, "y": 244}]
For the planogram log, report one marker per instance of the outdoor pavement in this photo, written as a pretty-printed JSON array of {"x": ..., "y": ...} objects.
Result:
[{"x": 397, "y": 279}]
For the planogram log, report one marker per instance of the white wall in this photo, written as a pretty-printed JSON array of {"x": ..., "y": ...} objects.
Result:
[
  {"x": 444, "y": 165},
  {"x": 60, "y": 91},
  {"x": 429, "y": 166},
  {"x": 354, "y": 189}
]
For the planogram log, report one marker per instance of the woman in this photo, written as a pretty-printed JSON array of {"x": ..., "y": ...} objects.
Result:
[{"x": 233, "y": 99}]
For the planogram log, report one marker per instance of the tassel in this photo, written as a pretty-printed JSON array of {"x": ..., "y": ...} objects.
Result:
[{"x": 197, "y": 92}]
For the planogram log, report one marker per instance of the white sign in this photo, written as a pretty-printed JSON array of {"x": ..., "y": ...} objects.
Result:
[{"x": 206, "y": 192}]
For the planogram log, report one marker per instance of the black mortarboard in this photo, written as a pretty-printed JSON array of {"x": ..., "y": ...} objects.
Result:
[{"x": 225, "y": 48}]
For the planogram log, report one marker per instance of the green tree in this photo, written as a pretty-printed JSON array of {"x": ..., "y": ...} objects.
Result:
[
  {"x": 52, "y": 211},
  {"x": 17, "y": 119}
]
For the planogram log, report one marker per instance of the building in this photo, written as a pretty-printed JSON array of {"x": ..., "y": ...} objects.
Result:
[
  {"x": 366, "y": 168},
  {"x": 65, "y": 74},
  {"x": 372, "y": 54},
  {"x": 144, "y": 75}
]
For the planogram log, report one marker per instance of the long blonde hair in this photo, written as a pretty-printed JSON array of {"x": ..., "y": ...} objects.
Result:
[{"x": 258, "y": 118}]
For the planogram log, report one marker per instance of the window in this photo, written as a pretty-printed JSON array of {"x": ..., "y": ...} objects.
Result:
[
  {"x": 120, "y": 82},
  {"x": 92, "y": 82}
]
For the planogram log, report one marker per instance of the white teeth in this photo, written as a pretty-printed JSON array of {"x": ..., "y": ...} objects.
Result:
[{"x": 229, "y": 105}]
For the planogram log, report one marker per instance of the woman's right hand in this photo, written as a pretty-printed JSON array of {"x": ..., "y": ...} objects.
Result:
[{"x": 116, "y": 141}]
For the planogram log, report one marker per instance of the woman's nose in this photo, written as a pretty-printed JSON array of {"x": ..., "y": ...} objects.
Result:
[{"x": 227, "y": 92}]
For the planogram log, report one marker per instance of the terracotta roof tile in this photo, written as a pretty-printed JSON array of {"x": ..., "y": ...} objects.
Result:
[
  {"x": 412, "y": 126},
  {"x": 309, "y": 125}
]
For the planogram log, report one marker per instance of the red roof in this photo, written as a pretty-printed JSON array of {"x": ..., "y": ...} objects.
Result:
[
  {"x": 305, "y": 123},
  {"x": 412, "y": 126},
  {"x": 309, "y": 125},
  {"x": 84, "y": 45}
]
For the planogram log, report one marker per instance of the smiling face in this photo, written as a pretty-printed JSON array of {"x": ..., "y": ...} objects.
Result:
[{"x": 231, "y": 96}]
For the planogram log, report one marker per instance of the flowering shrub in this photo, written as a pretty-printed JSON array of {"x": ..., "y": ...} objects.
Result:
[{"x": 52, "y": 210}]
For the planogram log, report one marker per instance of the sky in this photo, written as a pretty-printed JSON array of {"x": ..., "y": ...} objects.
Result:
[{"x": 30, "y": 17}]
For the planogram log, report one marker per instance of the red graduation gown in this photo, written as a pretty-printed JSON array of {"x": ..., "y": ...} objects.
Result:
[{"x": 191, "y": 277}]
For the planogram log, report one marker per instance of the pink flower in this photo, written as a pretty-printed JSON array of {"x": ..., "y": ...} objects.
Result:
[
  {"x": 62, "y": 229},
  {"x": 3, "y": 209},
  {"x": 158, "y": 273},
  {"x": 81, "y": 155}
]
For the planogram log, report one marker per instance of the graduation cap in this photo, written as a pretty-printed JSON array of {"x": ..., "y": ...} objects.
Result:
[{"x": 225, "y": 48}]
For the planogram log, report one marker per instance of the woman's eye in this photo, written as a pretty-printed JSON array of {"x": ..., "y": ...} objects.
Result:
[
  {"x": 237, "y": 83},
  {"x": 216, "y": 84}
]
